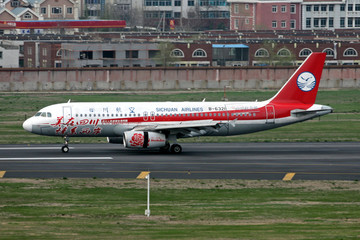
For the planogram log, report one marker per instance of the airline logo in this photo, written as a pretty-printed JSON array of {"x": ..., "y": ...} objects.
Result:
[{"x": 306, "y": 81}]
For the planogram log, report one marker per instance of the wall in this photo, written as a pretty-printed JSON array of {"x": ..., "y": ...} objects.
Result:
[{"x": 100, "y": 79}]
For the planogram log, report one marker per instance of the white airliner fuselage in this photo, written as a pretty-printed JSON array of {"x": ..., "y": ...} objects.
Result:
[{"x": 160, "y": 124}]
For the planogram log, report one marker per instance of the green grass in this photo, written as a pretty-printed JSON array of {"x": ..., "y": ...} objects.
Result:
[
  {"x": 204, "y": 209},
  {"x": 343, "y": 125}
]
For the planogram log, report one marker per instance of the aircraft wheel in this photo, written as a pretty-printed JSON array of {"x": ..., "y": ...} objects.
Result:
[
  {"x": 176, "y": 148},
  {"x": 65, "y": 149}
]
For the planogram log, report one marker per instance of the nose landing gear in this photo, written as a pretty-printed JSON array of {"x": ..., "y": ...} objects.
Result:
[{"x": 65, "y": 148}]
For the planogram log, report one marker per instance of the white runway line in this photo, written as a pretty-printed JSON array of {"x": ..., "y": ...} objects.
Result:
[
  {"x": 56, "y": 158},
  {"x": 31, "y": 148}
]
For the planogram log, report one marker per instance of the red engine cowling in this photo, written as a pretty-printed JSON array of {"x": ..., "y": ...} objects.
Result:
[{"x": 139, "y": 139}]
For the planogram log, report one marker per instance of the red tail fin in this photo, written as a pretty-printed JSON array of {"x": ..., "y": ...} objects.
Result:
[{"x": 303, "y": 85}]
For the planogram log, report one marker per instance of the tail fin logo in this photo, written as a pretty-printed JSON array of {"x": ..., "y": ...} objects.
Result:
[{"x": 306, "y": 81}]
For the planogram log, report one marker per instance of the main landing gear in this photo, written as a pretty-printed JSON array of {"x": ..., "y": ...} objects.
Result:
[
  {"x": 174, "y": 148},
  {"x": 65, "y": 148}
]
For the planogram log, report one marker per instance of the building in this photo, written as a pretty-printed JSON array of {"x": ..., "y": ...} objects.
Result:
[
  {"x": 265, "y": 15},
  {"x": 9, "y": 55},
  {"x": 294, "y": 14}
]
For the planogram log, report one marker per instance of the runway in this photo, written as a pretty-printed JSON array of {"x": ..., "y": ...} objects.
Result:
[{"x": 273, "y": 161}]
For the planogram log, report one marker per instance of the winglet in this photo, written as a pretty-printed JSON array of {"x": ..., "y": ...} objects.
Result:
[{"x": 303, "y": 85}]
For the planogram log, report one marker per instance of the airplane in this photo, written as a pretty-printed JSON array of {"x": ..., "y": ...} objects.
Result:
[{"x": 158, "y": 125}]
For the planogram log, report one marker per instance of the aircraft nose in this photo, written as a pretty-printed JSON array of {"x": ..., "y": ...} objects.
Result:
[{"x": 27, "y": 125}]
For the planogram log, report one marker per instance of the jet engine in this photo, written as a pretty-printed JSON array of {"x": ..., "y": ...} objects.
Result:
[{"x": 140, "y": 139}]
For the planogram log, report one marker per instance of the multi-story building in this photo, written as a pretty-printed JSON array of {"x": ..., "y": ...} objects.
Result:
[
  {"x": 265, "y": 15},
  {"x": 332, "y": 14},
  {"x": 294, "y": 14},
  {"x": 178, "y": 14}
]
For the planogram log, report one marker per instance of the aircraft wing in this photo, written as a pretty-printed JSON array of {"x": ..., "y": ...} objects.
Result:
[{"x": 184, "y": 129}]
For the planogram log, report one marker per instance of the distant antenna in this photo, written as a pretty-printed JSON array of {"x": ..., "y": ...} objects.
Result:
[
  {"x": 204, "y": 100},
  {"x": 69, "y": 101}
]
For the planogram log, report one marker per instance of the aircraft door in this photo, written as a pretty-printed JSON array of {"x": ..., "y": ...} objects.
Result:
[
  {"x": 152, "y": 116},
  {"x": 270, "y": 114},
  {"x": 146, "y": 116},
  {"x": 67, "y": 113}
]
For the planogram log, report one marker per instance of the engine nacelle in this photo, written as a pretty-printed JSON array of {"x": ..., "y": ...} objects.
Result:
[
  {"x": 115, "y": 140},
  {"x": 140, "y": 139}
]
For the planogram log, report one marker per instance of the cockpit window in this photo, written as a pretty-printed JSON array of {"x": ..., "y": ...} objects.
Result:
[
  {"x": 43, "y": 114},
  {"x": 37, "y": 114},
  {"x": 48, "y": 114}
]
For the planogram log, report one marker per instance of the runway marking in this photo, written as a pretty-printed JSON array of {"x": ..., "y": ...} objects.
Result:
[
  {"x": 2, "y": 173},
  {"x": 288, "y": 176},
  {"x": 142, "y": 175},
  {"x": 183, "y": 172},
  {"x": 31, "y": 148},
  {"x": 56, "y": 158}
]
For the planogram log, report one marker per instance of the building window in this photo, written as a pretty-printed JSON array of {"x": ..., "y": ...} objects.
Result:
[
  {"x": 44, "y": 51},
  {"x": 44, "y": 63},
  {"x": 323, "y": 22},
  {"x": 308, "y": 22},
  {"x": 308, "y": 8},
  {"x": 357, "y": 22},
  {"x": 177, "y": 14},
  {"x": 292, "y": 24},
  {"x": 1, "y": 55},
  {"x": 323, "y": 8},
  {"x": 262, "y": 52},
  {"x": 132, "y": 54},
  {"x": 108, "y": 54},
  {"x": 29, "y": 50},
  {"x": 342, "y": 22},
  {"x": 27, "y": 16},
  {"x": 56, "y": 10},
  {"x": 177, "y": 53},
  {"x": 246, "y": 6},
  {"x": 86, "y": 55},
  {"x": 283, "y": 8},
  {"x": 316, "y": 8},
  {"x": 350, "y": 52},
  {"x": 29, "y": 62},
  {"x": 274, "y": 24},
  {"x": 274, "y": 8},
  {"x": 43, "y": 10},
  {"x": 191, "y": 3},
  {"x": 357, "y": 7},
  {"x": 15, "y": 3},
  {"x": 331, "y": 22},
  {"x": 316, "y": 22},
  {"x": 350, "y": 22},
  {"x": 342, "y": 7},
  {"x": 350, "y": 7},
  {"x": 284, "y": 52},
  {"x": 236, "y": 24},
  {"x": 329, "y": 52},
  {"x": 331, "y": 7},
  {"x": 292, "y": 8},
  {"x": 236, "y": 8},
  {"x": 247, "y": 21},
  {"x": 305, "y": 52},
  {"x": 283, "y": 24},
  {"x": 199, "y": 53},
  {"x": 69, "y": 10},
  {"x": 177, "y": 3}
]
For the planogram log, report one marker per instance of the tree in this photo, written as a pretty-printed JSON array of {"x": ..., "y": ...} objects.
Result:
[
  {"x": 275, "y": 55},
  {"x": 163, "y": 55}
]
